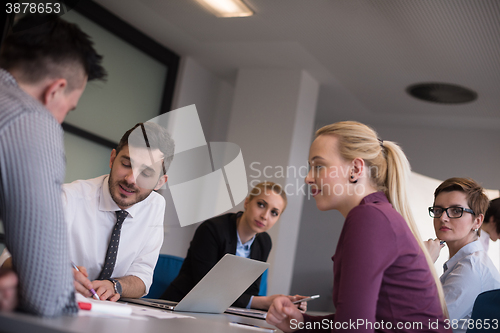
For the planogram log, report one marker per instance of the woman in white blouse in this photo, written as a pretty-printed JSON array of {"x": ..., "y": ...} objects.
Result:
[{"x": 458, "y": 212}]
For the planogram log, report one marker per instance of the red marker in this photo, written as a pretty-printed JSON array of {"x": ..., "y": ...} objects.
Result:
[{"x": 106, "y": 307}]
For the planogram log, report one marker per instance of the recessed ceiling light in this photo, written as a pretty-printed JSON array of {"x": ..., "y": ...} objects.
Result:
[
  {"x": 227, "y": 8},
  {"x": 444, "y": 93}
]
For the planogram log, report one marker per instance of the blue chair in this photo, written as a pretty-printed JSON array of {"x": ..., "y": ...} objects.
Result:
[
  {"x": 263, "y": 284},
  {"x": 486, "y": 306},
  {"x": 166, "y": 270}
]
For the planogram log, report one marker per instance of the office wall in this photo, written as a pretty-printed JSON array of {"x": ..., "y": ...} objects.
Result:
[
  {"x": 444, "y": 153},
  {"x": 313, "y": 270},
  {"x": 84, "y": 158},
  {"x": 132, "y": 93},
  {"x": 212, "y": 97}
]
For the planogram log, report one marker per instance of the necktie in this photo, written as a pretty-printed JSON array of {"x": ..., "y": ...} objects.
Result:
[{"x": 110, "y": 260}]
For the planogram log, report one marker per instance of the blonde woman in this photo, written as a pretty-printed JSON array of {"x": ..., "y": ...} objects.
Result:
[
  {"x": 383, "y": 277},
  {"x": 243, "y": 234}
]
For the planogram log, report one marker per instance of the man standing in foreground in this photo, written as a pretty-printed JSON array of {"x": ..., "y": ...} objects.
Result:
[{"x": 45, "y": 65}]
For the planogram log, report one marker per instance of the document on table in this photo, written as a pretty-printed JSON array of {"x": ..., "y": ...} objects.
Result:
[{"x": 96, "y": 308}]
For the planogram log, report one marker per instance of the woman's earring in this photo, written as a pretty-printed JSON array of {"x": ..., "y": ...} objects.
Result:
[
  {"x": 353, "y": 181},
  {"x": 476, "y": 229}
]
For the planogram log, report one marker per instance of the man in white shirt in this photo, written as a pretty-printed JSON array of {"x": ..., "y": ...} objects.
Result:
[{"x": 138, "y": 166}]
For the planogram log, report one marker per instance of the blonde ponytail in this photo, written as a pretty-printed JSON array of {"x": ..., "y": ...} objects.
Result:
[
  {"x": 392, "y": 171},
  {"x": 398, "y": 173}
]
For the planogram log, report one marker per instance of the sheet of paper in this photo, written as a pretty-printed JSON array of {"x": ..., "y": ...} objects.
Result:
[
  {"x": 107, "y": 304},
  {"x": 137, "y": 312},
  {"x": 105, "y": 315}
]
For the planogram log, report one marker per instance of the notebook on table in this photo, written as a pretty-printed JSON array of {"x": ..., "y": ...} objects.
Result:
[{"x": 217, "y": 290}]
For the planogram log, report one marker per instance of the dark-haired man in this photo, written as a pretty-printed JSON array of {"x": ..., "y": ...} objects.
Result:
[
  {"x": 44, "y": 68},
  {"x": 491, "y": 224},
  {"x": 116, "y": 221}
]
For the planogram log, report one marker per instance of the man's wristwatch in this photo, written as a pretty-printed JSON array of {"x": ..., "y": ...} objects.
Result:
[{"x": 117, "y": 285}]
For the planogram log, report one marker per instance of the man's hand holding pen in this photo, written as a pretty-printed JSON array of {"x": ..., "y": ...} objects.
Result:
[
  {"x": 106, "y": 291},
  {"x": 82, "y": 283}
]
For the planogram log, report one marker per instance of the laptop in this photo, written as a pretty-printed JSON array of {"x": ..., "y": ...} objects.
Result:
[{"x": 217, "y": 290}]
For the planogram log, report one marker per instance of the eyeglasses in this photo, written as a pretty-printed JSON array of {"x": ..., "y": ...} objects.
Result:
[{"x": 452, "y": 212}]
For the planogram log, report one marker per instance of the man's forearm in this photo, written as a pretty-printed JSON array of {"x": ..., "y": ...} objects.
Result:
[
  {"x": 132, "y": 286},
  {"x": 35, "y": 229}
]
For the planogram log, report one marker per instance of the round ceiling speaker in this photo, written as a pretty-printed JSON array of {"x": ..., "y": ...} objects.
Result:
[{"x": 444, "y": 93}]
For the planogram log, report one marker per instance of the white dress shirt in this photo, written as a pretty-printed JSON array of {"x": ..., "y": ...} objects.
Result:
[
  {"x": 485, "y": 240},
  {"x": 243, "y": 250},
  {"x": 90, "y": 214},
  {"x": 467, "y": 274}
]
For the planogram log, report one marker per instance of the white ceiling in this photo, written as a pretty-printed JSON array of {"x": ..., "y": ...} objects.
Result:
[{"x": 363, "y": 52}]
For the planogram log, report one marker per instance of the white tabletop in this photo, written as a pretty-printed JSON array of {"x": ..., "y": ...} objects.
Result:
[{"x": 19, "y": 323}]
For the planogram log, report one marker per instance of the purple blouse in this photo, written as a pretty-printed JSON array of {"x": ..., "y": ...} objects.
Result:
[{"x": 382, "y": 282}]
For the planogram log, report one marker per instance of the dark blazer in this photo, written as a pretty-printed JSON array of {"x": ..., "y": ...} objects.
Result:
[{"x": 211, "y": 241}]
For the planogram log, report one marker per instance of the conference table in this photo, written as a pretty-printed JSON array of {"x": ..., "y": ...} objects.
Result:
[{"x": 19, "y": 323}]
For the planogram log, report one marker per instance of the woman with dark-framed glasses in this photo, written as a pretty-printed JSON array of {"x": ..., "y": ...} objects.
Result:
[{"x": 458, "y": 212}]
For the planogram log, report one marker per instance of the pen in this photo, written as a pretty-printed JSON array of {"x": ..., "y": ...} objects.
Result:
[
  {"x": 307, "y": 299},
  {"x": 91, "y": 289}
]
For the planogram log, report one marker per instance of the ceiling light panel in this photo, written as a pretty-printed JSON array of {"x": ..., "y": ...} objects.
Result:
[{"x": 227, "y": 8}]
